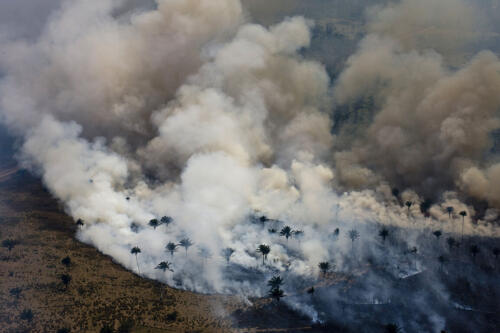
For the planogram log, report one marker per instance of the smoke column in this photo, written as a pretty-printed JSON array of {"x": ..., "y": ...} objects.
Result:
[{"x": 191, "y": 111}]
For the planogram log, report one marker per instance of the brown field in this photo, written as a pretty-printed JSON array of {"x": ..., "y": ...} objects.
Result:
[{"x": 101, "y": 292}]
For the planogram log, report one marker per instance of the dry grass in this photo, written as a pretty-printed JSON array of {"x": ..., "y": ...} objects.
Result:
[{"x": 100, "y": 292}]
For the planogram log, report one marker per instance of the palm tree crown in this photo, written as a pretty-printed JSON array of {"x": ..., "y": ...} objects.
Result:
[
  {"x": 164, "y": 266},
  {"x": 384, "y": 233},
  {"x": 324, "y": 267},
  {"x": 154, "y": 223},
  {"x": 275, "y": 282}
]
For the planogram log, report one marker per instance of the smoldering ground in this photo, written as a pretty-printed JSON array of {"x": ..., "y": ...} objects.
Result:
[{"x": 189, "y": 110}]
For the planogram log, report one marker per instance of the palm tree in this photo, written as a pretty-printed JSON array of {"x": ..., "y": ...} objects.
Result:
[
  {"x": 438, "y": 234},
  {"x": 496, "y": 253},
  {"x": 164, "y": 266},
  {"x": 451, "y": 242},
  {"x": 227, "y": 253},
  {"x": 154, "y": 223},
  {"x": 392, "y": 328},
  {"x": 204, "y": 253},
  {"x": 449, "y": 209},
  {"x": 353, "y": 235},
  {"x": 442, "y": 259},
  {"x": 298, "y": 234},
  {"x": 277, "y": 294},
  {"x": 80, "y": 223},
  {"x": 16, "y": 292},
  {"x": 9, "y": 244},
  {"x": 408, "y": 204},
  {"x": 286, "y": 232},
  {"x": 171, "y": 247},
  {"x": 336, "y": 233},
  {"x": 166, "y": 220},
  {"x": 186, "y": 244},
  {"x": 264, "y": 250},
  {"x": 134, "y": 227},
  {"x": 275, "y": 282},
  {"x": 474, "y": 250},
  {"x": 384, "y": 233},
  {"x": 324, "y": 267},
  {"x": 136, "y": 250},
  {"x": 463, "y": 213},
  {"x": 66, "y": 279},
  {"x": 310, "y": 291}
]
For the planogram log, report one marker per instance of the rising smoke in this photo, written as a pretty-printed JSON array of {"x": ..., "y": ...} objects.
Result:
[{"x": 191, "y": 111}]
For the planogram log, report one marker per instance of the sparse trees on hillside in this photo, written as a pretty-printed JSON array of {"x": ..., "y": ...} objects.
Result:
[
  {"x": 135, "y": 251},
  {"x": 264, "y": 250}
]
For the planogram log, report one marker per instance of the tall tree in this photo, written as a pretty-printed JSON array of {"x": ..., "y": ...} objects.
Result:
[
  {"x": 205, "y": 253},
  {"x": 135, "y": 251},
  {"x": 9, "y": 244},
  {"x": 277, "y": 294},
  {"x": 353, "y": 235},
  {"x": 79, "y": 223},
  {"x": 408, "y": 204},
  {"x": 166, "y": 220},
  {"x": 298, "y": 234},
  {"x": 474, "y": 250},
  {"x": 324, "y": 267},
  {"x": 286, "y": 232},
  {"x": 496, "y": 253},
  {"x": 383, "y": 233},
  {"x": 65, "y": 279},
  {"x": 451, "y": 242},
  {"x": 463, "y": 213},
  {"x": 264, "y": 250},
  {"x": 438, "y": 234},
  {"x": 171, "y": 247},
  {"x": 442, "y": 260},
  {"x": 154, "y": 223},
  {"x": 449, "y": 209},
  {"x": 226, "y": 253},
  {"x": 186, "y": 243},
  {"x": 275, "y": 282}
]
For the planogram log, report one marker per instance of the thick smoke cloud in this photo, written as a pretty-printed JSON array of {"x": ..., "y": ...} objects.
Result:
[{"x": 189, "y": 110}]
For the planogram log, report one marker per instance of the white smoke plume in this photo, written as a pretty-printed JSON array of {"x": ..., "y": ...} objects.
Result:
[{"x": 188, "y": 110}]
